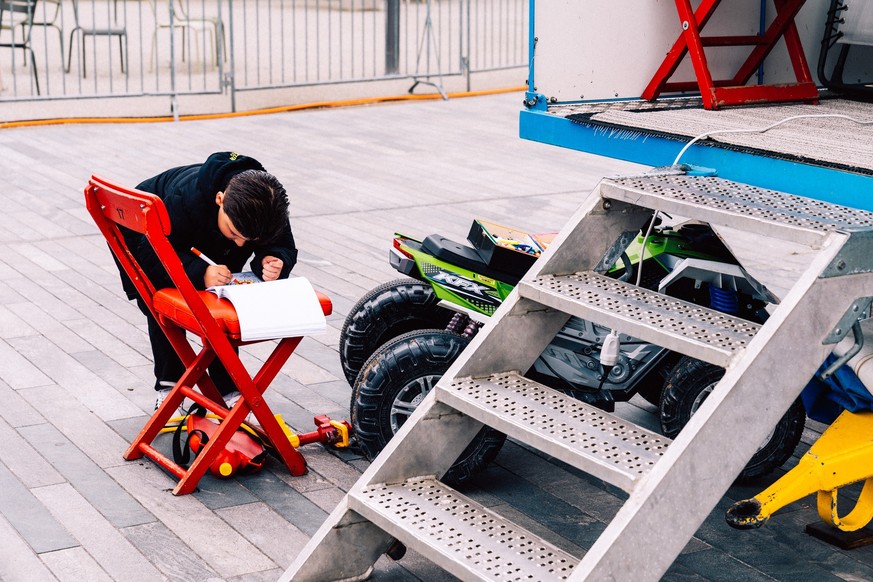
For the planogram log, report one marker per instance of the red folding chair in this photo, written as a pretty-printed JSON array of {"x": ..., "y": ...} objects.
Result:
[
  {"x": 734, "y": 91},
  {"x": 184, "y": 309}
]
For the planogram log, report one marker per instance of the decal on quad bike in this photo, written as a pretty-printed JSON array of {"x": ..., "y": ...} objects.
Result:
[{"x": 474, "y": 292}]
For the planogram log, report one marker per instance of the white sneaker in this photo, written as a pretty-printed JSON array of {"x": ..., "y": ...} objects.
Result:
[
  {"x": 162, "y": 395},
  {"x": 231, "y": 399}
]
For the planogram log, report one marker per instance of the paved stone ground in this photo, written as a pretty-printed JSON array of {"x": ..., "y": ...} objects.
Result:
[{"x": 75, "y": 369}]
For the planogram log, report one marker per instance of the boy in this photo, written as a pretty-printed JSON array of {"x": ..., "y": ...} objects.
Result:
[{"x": 230, "y": 209}]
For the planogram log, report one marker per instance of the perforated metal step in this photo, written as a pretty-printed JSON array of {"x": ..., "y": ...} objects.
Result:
[
  {"x": 749, "y": 208},
  {"x": 398, "y": 495},
  {"x": 677, "y": 325},
  {"x": 599, "y": 443},
  {"x": 458, "y": 534}
]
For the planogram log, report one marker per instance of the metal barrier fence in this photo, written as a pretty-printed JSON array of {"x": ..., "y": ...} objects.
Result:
[{"x": 75, "y": 49}]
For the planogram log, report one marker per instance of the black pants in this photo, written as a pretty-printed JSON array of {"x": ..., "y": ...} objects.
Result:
[{"x": 169, "y": 368}]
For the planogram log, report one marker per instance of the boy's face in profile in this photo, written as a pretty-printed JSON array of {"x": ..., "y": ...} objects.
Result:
[{"x": 225, "y": 225}]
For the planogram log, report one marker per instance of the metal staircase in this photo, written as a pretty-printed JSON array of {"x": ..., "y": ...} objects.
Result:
[{"x": 671, "y": 486}]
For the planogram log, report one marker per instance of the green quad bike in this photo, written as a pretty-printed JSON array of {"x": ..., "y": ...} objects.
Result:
[{"x": 400, "y": 338}]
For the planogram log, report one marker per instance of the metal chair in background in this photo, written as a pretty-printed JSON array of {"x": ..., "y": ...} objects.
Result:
[
  {"x": 47, "y": 16},
  {"x": 15, "y": 15},
  {"x": 89, "y": 27},
  {"x": 203, "y": 23},
  {"x": 178, "y": 16}
]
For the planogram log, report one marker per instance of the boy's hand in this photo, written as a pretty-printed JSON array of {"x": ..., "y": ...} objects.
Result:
[
  {"x": 217, "y": 275},
  {"x": 272, "y": 268}
]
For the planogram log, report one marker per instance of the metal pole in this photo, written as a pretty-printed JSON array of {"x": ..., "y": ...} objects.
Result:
[
  {"x": 174, "y": 99},
  {"x": 232, "y": 63},
  {"x": 762, "y": 26},
  {"x": 532, "y": 46},
  {"x": 467, "y": 52},
  {"x": 392, "y": 37}
]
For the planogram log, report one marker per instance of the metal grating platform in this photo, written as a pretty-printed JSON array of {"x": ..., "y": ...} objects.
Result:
[
  {"x": 751, "y": 201},
  {"x": 834, "y": 141},
  {"x": 465, "y": 535},
  {"x": 586, "y": 437},
  {"x": 690, "y": 329}
]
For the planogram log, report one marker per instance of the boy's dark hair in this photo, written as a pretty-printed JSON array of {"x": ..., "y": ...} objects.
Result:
[{"x": 257, "y": 204}]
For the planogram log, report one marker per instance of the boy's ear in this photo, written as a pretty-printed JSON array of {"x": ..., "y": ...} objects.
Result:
[{"x": 219, "y": 198}]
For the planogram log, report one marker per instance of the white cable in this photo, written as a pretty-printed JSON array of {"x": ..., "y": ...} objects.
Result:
[
  {"x": 609, "y": 353},
  {"x": 610, "y": 350},
  {"x": 768, "y": 128},
  {"x": 724, "y": 131},
  {"x": 643, "y": 249}
]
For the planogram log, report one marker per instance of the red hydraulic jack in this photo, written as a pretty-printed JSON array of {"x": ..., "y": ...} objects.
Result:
[
  {"x": 245, "y": 454},
  {"x": 330, "y": 432},
  {"x": 716, "y": 94},
  {"x": 334, "y": 433}
]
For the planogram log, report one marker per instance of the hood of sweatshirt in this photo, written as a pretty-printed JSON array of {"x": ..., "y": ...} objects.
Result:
[{"x": 220, "y": 167}]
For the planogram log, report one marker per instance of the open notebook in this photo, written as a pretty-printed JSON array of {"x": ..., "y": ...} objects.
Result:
[{"x": 273, "y": 309}]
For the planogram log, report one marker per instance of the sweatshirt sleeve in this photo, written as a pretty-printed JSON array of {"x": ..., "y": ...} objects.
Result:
[{"x": 283, "y": 248}]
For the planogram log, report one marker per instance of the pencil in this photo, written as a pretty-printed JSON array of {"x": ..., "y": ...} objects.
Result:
[{"x": 204, "y": 257}]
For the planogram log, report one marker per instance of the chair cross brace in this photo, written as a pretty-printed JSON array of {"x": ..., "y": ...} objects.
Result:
[{"x": 718, "y": 93}]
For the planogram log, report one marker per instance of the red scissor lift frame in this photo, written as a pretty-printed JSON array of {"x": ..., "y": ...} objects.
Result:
[
  {"x": 184, "y": 309},
  {"x": 734, "y": 91}
]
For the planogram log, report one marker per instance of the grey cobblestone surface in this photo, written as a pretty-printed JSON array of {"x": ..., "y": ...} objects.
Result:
[{"x": 75, "y": 364}]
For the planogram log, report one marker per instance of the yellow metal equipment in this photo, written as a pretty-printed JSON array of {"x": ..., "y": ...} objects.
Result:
[{"x": 843, "y": 455}]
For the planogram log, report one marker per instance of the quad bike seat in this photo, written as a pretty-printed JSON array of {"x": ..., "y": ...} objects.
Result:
[{"x": 468, "y": 258}]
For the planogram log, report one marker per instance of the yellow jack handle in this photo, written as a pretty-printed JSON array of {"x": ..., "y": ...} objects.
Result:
[
  {"x": 343, "y": 431},
  {"x": 292, "y": 436},
  {"x": 842, "y": 455}
]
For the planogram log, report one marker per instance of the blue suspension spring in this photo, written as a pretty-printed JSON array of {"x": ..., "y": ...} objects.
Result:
[{"x": 724, "y": 300}]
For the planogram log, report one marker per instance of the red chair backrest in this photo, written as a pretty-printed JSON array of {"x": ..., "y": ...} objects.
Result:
[{"x": 112, "y": 206}]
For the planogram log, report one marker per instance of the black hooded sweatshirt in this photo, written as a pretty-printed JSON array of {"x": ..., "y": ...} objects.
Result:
[{"x": 189, "y": 194}]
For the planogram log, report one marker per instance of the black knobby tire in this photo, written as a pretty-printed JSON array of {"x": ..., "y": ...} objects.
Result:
[
  {"x": 691, "y": 382},
  {"x": 388, "y": 311},
  {"x": 652, "y": 386},
  {"x": 395, "y": 380}
]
